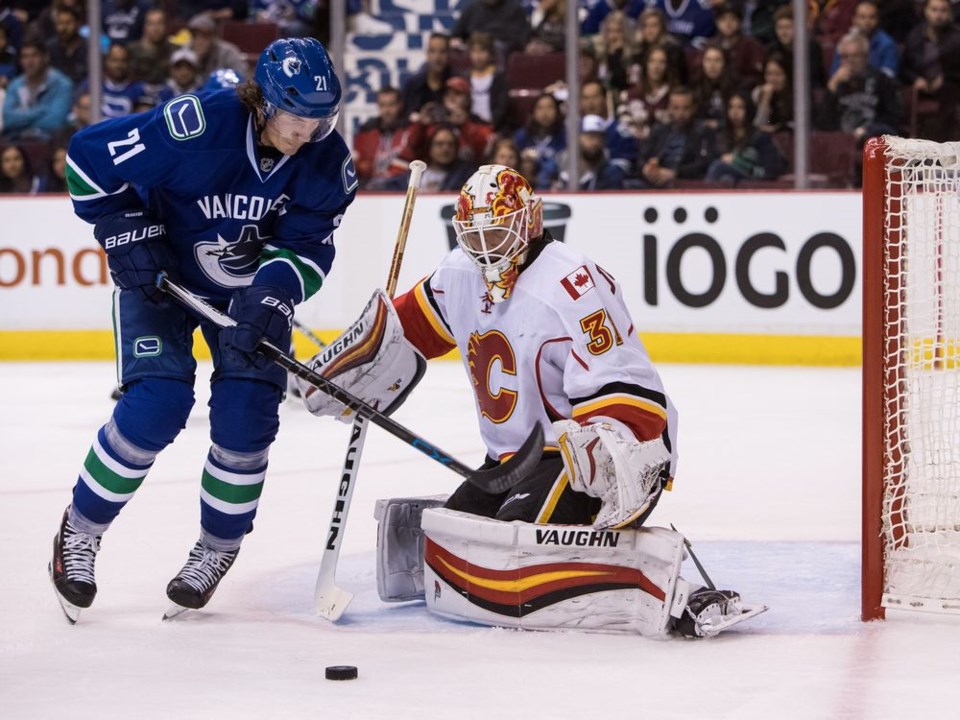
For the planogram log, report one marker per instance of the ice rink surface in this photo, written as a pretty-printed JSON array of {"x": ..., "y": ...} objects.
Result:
[{"x": 767, "y": 489}]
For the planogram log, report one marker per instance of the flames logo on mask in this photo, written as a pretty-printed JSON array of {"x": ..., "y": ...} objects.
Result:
[
  {"x": 498, "y": 197},
  {"x": 507, "y": 198},
  {"x": 508, "y": 278}
]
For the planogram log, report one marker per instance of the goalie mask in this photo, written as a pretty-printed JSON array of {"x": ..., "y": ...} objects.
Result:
[{"x": 498, "y": 215}]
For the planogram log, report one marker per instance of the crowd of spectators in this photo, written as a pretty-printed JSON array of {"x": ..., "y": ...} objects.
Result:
[
  {"x": 672, "y": 92},
  {"x": 148, "y": 57}
]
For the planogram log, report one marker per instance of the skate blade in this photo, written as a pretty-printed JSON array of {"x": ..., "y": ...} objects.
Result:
[
  {"x": 70, "y": 611},
  {"x": 175, "y": 611},
  {"x": 712, "y": 629}
]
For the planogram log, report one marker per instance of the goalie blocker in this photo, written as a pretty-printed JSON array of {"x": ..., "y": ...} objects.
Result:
[
  {"x": 544, "y": 577},
  {"x": 371, "y": 360}
]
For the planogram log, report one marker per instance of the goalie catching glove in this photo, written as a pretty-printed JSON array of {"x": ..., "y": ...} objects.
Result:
[
  {"x": 372, "y": 360},
  {"x": 626, "y": 474}
]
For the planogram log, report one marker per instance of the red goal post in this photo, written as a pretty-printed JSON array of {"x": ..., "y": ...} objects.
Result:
[{"x": 911, "y": 377}]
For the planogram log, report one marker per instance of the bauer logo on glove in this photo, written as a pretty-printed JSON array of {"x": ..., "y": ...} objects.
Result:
[{"x": 371, "y": 360}]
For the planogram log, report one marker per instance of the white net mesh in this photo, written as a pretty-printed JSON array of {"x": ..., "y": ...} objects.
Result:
[{"x": 921, "y": 506}]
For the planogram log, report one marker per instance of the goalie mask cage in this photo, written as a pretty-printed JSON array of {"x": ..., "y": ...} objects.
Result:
[{"x": 911, "y": 376}]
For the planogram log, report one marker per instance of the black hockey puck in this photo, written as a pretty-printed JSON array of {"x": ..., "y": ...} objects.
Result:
[{"x": 341, "y": 672}]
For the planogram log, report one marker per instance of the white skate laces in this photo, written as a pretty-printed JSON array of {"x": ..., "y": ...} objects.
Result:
[
  {"x": 79, "y": 554},
  {"x": 205, "y": 567}
]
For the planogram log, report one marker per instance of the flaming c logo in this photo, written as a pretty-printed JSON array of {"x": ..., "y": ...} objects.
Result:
[{"x": 482, "y": 352}]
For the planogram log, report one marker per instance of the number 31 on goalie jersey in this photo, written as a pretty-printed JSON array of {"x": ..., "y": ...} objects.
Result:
[{"x": 600, "y": 337}]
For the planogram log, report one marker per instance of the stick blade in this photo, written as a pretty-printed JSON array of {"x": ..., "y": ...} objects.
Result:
[
  {"x": 503, "y": 477},
  {"x": 331, "y": 602}
]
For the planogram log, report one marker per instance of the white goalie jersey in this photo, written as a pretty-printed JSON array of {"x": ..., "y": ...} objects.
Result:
[{"x": 563, "y": 346}]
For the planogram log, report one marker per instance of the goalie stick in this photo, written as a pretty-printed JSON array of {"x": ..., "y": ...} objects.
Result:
[
  {"x": 495, "y": 480},
  {"x": 331, "y": 600}
]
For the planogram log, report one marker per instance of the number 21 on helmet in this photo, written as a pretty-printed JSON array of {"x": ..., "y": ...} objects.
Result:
[{"x": 300, "y": 86}]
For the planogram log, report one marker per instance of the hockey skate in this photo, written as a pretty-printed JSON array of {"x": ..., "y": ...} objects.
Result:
[
  {"x": 197, "y": 580},
  {"x": 710, "y": 612},
  {"x": 72, "y": 568}
]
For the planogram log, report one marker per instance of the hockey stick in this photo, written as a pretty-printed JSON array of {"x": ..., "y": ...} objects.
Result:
[
  {"x": 495, "y": 480},
  {"x": 330, "y": 599},
  {"x": 696, "y": 560},
  {"x": 309, "y": 334}
]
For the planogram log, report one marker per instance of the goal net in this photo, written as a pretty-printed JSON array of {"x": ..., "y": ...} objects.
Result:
[{"x": 911, "y": 376}]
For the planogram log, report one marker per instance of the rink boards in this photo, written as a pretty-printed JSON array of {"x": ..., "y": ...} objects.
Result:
[{"x": 736, "y": 277}]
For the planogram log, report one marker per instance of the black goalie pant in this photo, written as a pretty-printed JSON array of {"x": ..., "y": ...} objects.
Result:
[{"x": 543, "y": 497}]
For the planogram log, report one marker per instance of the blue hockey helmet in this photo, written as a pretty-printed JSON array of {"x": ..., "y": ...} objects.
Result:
[
  {"x": 222, "y": 79},
  {"x": 296, "y": 76}
]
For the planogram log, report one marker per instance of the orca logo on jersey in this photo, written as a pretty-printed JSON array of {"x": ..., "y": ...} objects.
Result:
[
  {"x": 483, "y": 352},
  {"x": 231, "y": 264}
]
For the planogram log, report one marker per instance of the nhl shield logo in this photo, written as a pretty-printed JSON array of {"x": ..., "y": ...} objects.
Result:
[{"x": 266, "y": 164}]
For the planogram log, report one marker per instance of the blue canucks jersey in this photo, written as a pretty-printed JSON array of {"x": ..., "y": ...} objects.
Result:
[{"x": 234, "y": 214}]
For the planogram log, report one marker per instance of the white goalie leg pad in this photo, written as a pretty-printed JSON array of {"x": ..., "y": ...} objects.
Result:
[
  {"x": 626, "y": 474},
  {"x": 371, "y": 360},
  {"x": 400, "y": 543},
  {"x": 553, "y": 577}
]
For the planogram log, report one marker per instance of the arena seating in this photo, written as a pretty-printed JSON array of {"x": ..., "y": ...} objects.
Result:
[{"x": 250, "y": 37}]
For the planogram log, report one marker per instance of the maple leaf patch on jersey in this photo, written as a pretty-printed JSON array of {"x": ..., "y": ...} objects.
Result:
[{"x": 578, "y": 283}]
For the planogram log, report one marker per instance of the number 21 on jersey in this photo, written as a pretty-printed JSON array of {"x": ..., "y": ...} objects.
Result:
[{"x": 122, "y": 150}]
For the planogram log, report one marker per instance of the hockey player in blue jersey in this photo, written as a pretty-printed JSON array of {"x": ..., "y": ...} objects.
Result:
[{"x": 235, "y": 194}]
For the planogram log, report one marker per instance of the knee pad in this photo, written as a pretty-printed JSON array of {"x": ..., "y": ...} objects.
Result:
[
  {"x": 400, "y": 546},
  {"x": 152, "y": 411},
  {"x": 244, "y": 414}
]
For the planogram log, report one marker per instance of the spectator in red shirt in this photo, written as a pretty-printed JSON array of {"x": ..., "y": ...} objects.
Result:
[
  {"x": 386, "y": 144},
  {"x": 475, "y": 136},
  {"x": 445, "y": 172}
]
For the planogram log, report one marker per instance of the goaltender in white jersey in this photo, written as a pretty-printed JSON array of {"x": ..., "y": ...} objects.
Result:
[
  {"x": 563, "y": 347},
  {"x": 545, "y": 336}
]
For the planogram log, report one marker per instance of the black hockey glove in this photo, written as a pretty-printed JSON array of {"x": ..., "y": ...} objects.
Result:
[
  {"x": 137, "y": 249},
  {"x": 262, "y": 313}
]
